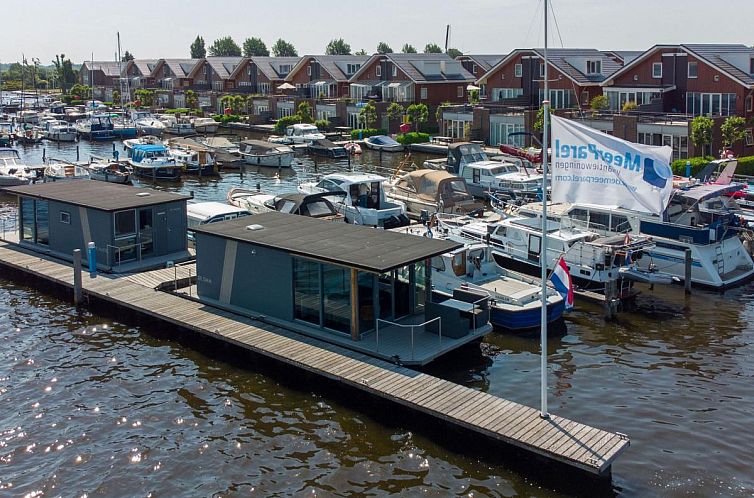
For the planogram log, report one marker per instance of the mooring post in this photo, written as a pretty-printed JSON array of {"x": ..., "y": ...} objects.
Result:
[
  {"x": 77, "y": 153},
  {"x": 687, "y": 271},
  {"x": 77, "y": 277}
]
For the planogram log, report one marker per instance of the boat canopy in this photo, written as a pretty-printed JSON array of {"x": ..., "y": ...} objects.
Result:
[
  {"x": 703, "y": 192},
  {"x": 382, "y": 140},
  {"x": 260, "y": 145},
  {"x": 428, "y": 183},
  {"x": 149, "y": 148}
]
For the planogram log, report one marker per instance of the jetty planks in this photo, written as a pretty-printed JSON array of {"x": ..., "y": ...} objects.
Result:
[{"x": 555, "y": 438}]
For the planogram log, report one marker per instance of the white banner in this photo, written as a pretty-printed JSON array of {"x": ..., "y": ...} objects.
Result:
[{"x": 591, "y": 167}]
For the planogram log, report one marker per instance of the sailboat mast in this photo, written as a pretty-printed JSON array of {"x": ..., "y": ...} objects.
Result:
[
  {"x": 91, "y": 79},
  {"x": 543, "y": 257}
]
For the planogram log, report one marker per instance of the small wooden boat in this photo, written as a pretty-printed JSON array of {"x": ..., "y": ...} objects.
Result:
[
  {"x": 58, "y": 170},
  {"x": 108, "y": 171}
]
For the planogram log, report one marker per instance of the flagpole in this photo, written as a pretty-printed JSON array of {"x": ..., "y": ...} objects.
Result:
[{"x": 543, "y": 249}]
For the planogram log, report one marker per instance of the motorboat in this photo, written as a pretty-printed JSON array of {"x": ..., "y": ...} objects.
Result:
[
  {"x": 300, "y": 133},
  {"x": 11, "y": 172},
  {"x": 60, "y": 131},
  {"x": 227, "y": 153},
  {"x": 427, "y": 191},
  {"x": 260, "y": 153},
  {"x": 27, "y": 134},
  {"x": 324, "y": 147},
  {"x": 205, "y": 125},
  {"x": 6, "y": 133},
  {"x": 124, "y": 127},
  {"x": 382, "y": 143},
  {"x": 28, "y": 116},
  {"x": 314, "y": 205},
  {"x": 103, "y": 170},
  {"x": 96, "y": 127},
  {"x": 129, "y": 144},
  {"x": 192, "y": 156},
  {"x": 153, "y": 161},
  {"x": 60, "y": 170},
  {"x": 147, "y": 124},
  {"x": 353, "y": 148},
  {"x": 202, "y": 213},
  {"x": 365, "y": 202},
  {"x": 181, "y": 128}
]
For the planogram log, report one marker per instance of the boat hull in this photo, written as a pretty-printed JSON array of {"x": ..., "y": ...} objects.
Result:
[
  {"x": 282, "y": 160},
  {"x": 160, "y": 173},
  {"x": 62, "y": 137},
  {"x": 525, "y": 319},
  {"x": 12, "y": 181}
]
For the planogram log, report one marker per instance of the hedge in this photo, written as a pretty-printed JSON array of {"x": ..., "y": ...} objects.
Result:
[
  {"x": 179, "y": 110},
  {"x": 368, "y": 132},
  {"x": 226, "y": 118},
  {"x": 745, "y": 165},
  {"x": 412, "y": 137}
]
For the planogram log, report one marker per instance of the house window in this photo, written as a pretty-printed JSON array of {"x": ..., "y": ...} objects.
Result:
[
  {"x": 285, "y": 69},
  {"x": 424, "y": 93},
  {"x": 309, "y": 70},
  {"x": 518, "y": 70},
  {"x": 460, "y": 92},
  {"x": 593, "y": 67},
  {"x": 542, "y": 70},
  {"x": 378, "y": 71},
  {"x": 657, "y": 70},
  {"x": 395, "y": 70},
  {"x": 352, "y": 68},
  {"x": 749, "y": 103},
  {"x": 248, "y": 71},
  {"x": 65, "y": 217},
  {"x": 751, "y": 66},
  {"x": 693, "y": 70},
  {"x": 473, "y": 68},
  {"x": 584, "y": 98}
]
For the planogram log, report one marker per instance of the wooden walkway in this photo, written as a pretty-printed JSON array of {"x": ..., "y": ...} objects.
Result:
[{"x": 556, "y": 438}]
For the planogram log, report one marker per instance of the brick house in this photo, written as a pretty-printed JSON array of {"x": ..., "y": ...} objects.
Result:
[
  {"x": 139, "y": 72},
  {"x": 100, "y": 74},
  {"x": 262, "y": 75},
  {"x": 213, "y": 74},
  {"x": 575, "y": 76},
  {"x": 478, "y": 65},
  {"x": 316, "y": 76},
  {"x": 173, "y": 74},
  {"x": 717, "y": 80}
]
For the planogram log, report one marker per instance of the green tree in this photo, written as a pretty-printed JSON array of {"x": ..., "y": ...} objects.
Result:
[
  {"x": 384, "y": 48},
  {"x": 305, "y": 112},
  {"x": 65, "y": 73},
  {"x": 224, "y": 47},
  {"x": 733, "y": 129},
  {"x": 255, "y": 47},
  {"x": 338, "y": 47},
  {"x": 701, "y": 133},
  {"x": 145, "y": 96},
  {"x": 192, "y": 101},
  {"x": 599, "y": 103},
  {"x": 80, "y": 92},
  {"x": 440, "y": 109},
  {"x": 432, "y": 48},
  {"x": 360, "y": 52},
  {"x": 454, "y": 52},
  {"x": 539, "y": 123},
  {"x": 197, "y": 48},
  {"x": 116, "y": 96},
  {"x": 408, "y": 49},
  {"x": 282, "y": 48},
  {"x": 368, "y": 115},
  {"x": 128, "y": 56},
  {"x": 418, "y": 114},
  {"x": 473, "y": 97},
  {"x": 395, "y": 111}
]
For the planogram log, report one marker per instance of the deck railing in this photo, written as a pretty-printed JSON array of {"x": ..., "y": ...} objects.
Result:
[
  {"x": 412, "y": 327},
  {"x": 8, "y": 225}
]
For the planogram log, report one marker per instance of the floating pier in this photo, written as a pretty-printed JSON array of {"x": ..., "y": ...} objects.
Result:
[{"x": 554, "y": 439}]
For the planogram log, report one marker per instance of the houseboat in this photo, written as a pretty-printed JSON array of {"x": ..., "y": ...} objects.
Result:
[
  {"x": 153, "y": 161},
  {"x": 260, "y": 153},
  {"x": 365, "y": 202}
]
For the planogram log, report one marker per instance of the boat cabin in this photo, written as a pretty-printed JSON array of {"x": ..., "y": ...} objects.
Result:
[
  {"x": 360, "y": 288},
  {"x": 133, "y": 229}
]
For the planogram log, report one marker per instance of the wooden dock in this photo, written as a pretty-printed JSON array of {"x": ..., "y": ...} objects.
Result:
[{"x": 555, "y": 439}]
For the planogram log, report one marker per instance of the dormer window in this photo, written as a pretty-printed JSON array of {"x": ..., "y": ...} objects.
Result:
[
  {"x": 593, "y": 67},
  {"x": 285, "y": 68},
  {"x": 352, "y": 68}
]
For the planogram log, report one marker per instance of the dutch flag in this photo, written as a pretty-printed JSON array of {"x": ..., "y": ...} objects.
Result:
[{"x": 561, "y": 280}]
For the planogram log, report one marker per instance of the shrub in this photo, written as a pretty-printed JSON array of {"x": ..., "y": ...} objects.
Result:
[
  {"x": 285, "y": 122},
  {"x": 322, "y": 124},
  {"x": 226, "y": 118},
  {"x": 630, "y": 106},
  {"x": 368, "y": 132},
  {"x": 697, "y": 164},
  {"x": 179, "y": 110},
  {"x": 77, "y": 102},
  {"x": 412, "y": 137}
]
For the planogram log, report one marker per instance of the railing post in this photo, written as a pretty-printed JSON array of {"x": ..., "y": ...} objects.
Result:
[
  {"x": 412, "y": 335},
  {"x": 377, "y": 350}
]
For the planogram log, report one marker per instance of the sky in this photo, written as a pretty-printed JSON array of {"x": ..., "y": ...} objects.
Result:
[{"x": 152, "y": 29}]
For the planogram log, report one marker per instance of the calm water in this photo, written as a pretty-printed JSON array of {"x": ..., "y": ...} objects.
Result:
[{"x": 95, "y": 407}]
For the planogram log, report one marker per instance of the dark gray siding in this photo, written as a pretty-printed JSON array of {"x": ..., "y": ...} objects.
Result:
[
  {"x": 170, "y": 228},
  {"x": 210, "y": 252}
]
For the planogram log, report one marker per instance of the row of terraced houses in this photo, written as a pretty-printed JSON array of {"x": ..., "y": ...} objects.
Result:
[{"x": 670, "y": 84}]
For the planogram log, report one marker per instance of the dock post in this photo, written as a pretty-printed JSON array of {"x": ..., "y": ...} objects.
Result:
[
  {"x": 44, "y": 154},
  {"x": 77, "y": 153},
  {"x": 611, "y": 293},
  {"x": 77, "y": 277},
  {"x": 687, "y": 271}
]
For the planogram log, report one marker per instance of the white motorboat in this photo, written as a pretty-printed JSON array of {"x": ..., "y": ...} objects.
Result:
[
  {"x": 205, "y": 125},
  {"x": 226, "y": 152},
  {"x": 382, "y": 143},
  {"x": 260, "y": 153},
  {"x": 180, "y": 128},
  {"x": 194, "y": 159},
  {"x": 102, "y": 170},
  {"x": 11, "y": 172},
  {"x": 314, "y": 205},
  {"x": 60, "y": 131},
  {"x": 59, "y": 170},
  {"x": 146, "y": 123},
  {"x": 129, "y": 144},
  {"x": 365, "y": 202},
  {"x": 300, "y": 133}
]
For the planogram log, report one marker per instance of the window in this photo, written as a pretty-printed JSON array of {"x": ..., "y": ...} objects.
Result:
[
  {"x": 518, "y": 70},
  {"x": 146, "y": 236},
  {"x": 716, "y": 104},
  {"x": 751, "y": 66},
  {"x": 352, "y": 68},
  {"x": 395, "y": 70},
  {"x": 473, "y": 68},
  {"x": 378, "y": 71},
  {"x": 309, "y": 71},
  {"x": 749, "y": 103},
  {"x": 438, "y": 264},
  {"x": 306, "y": 290},
  {"x": 693, "y": 69},
  {"x": 125, "y": 223},
  {"x": 542, "y": 70},
  {"x": 506, "y": 93},
  {"x": 423, "y": 93},
  {"x": 657, "y": 70},
  {"x": 459, "y": 92},
  {"x": 593, "y": 67},
  {"x": 285, "y": 69},
  {"x": 65, "y": 217}
]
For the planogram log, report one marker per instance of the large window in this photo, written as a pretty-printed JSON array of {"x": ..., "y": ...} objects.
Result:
[
  {"x": 336, "y": 297},
  {"x": 125, "y": 236},
  {"x": 506, "y": 93},
  {"x": 42, "y": 217},
  {"x": 322, "y": 294},
  {"x": 27, "y": 219},
  {"x": 146, "y": 235},
  {"x": 306, "y": 290},
  {"x": 715, "y": 104}
]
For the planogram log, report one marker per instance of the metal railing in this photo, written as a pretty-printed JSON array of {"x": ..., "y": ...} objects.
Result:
[
  {"x": 9, "y": 225},
  {"x": 117, "y": 251},
  {"x": 412, "y": 327}
]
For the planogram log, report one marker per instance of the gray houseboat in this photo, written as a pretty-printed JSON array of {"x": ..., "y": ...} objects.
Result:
[
  {"x": 132, "y": 228},
  {"x": 355, "y": 286}
]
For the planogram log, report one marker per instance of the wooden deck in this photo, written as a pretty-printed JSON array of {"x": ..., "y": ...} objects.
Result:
[{"x": 556, "y": 438}]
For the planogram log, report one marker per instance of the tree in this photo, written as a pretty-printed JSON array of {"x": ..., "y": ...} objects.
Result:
[
  {"x": 116, "y": 96},
  {"x": 255, "y": 47},
  {"x": 408, "y": 49},
  {"x": 368, "y": 115},
  {"x": 733, "y": 129},
  {"x": 128, "y": 56},
  {"x": 539, "y": 124},
  {"x": 701, "y": 132},
  {"x": 192, "y": 100},
  {"x": 395, "y": 111},
  {"x": 454, "y": 52},
  {"x": 65, "y": 73},
  {"x": 197, "y": 48},
  {"x": 599, "y": 103},
  {"x": 224, "y": 47},
  {"x": 360, "y": 52},
  {"x": 432, "y": 48},
  {"x": 384, "y": 48},
  {"x": 80, "y": 92},
  {"x": 473, "y": 97},
  {"x": 305, "y": 112},
  {"x": 338, "y": 47},
  {"x": 282, "y": 48},
  {"x": 145, "y": 96},
  {"x": 440, "y": 109},
  {"x": 418, "y": 114}
]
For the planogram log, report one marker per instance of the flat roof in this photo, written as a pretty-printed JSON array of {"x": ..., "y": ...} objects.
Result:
[
  {"x": 104, "y": 196},
  {"x": 365, "y": 248}
]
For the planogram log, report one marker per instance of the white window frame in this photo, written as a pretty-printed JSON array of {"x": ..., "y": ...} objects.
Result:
[
  {"x": 65, "y": 217},
  {"x": 309, "y": 70},
  {"x": 654, "y": 65},
  {"x": 594, "y": 67},
  {"x": 518, "y": 70},
  {"x": 423, "y": 93},
  {"x": 688, "y": 70},
  {"x": 378, "y": 71},
  {"x": 395, "y": 71},
  {"x": 749, "y": 103},
  {"x": 473, "y": 69},
  {"x": 459, "y": 92},
  {"x": 542, "y": 70}
]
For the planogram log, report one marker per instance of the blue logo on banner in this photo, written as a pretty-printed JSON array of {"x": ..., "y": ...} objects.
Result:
[{"x": 656, "y": 174}]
